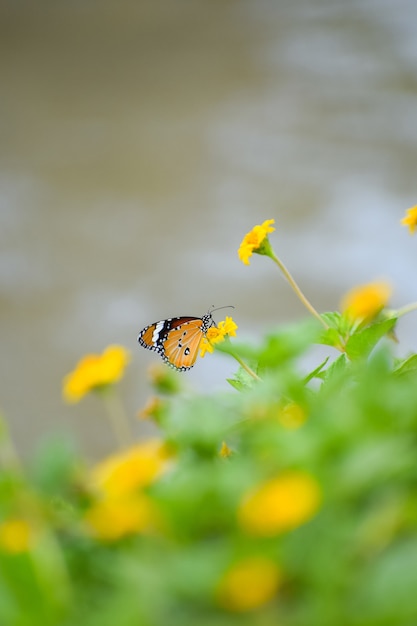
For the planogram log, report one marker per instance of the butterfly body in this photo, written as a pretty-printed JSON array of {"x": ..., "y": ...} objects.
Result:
[{"x": 176, "y": 339}]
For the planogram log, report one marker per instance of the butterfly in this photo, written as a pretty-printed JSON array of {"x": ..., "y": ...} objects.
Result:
[{"x": 177, "y": 339}]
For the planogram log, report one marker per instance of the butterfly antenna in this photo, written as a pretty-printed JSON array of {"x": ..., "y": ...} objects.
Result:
[{"x": 229, "y": 306}]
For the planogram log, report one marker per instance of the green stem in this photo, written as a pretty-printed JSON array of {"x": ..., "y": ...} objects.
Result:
[
  {"x": 406, "y": 309},
  {"x": 245, "y": 367},
  {"x": 297, "y": 290},
  {"x": 117, "y": 418}
]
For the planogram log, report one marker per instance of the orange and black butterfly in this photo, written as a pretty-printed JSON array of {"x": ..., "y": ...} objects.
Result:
[{"x": 177, "y": 339}]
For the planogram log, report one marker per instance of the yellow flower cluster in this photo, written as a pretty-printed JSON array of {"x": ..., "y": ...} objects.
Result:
[
  {"x": 216, "y": 334},
  {"x": 255, "y": 240},
  {"x": 249, "y": 584},
  {"x": 280, "y": 504},
  {"x": 410, "y": 219},
  {"x": 363, "y": 303},
  {"x": 121, "y": 506},
  {"x": 95, "y": 371}
]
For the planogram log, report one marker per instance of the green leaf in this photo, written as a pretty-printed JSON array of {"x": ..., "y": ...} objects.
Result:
[
  {"x": 363, "y": 342},
  {"x": 316, "y": 373},
  {"x": 288, "y": 343},
  {"x": 336, "y": 368},
  {"x": 407, "y": 366},
  {"x": 242, "y": 380},
  {"x": 330, "y": 337},
  {"x": 385, "y": 588},
  {"x": 332, "y": 319},
  {"x": 340, "y": 327}
]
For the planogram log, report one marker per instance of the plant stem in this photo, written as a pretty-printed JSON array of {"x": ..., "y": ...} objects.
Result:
[
  {"x": 297, "y": 290},
  {"x": 117, "y": 418},
  {"x": 245, "y": 367},
  {"x": 406, "y": 309}
]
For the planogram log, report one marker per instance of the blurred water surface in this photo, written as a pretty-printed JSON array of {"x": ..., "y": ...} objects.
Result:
[{"x": 141, "y": 140}]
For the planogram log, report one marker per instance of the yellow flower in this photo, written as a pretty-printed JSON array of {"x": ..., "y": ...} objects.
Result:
[
  {"x": 292, "y": 415},
  {"x": 205, "y": 346},
  {"x": 255, "y": 240},
  {"x": 15, "y": 536},
  {"x": 111, "y": 518},
  {"x": 217, "y": 334},
  {"x": 225, "y": 451},
  {"x": 95, "y": 371},
  {"x": 410, "y": 219},
  {"x": 228, "y": 327},
  {"x": 280, "y": 504},
  {"x": 363, "y": 303},
  {"x": 121, "y": 508},
  {"x": 249, "y": 584},
  {"x": 136, "y": 467}
]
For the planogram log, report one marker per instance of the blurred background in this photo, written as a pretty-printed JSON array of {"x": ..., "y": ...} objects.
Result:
[{"x": 141, "y": 140}]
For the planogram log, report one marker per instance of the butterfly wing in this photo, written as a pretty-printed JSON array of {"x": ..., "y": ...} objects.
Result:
[
  {"x": 176, "y": 339},
  {"x": 182, "y": 344}
]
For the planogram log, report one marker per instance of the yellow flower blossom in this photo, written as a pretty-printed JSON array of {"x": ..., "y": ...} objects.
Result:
[
  {"x": 121, "y": 507},
  {"x": 111, "y": 518},
  {"x": 225, "y": 451},
  {"x": 95, "y": 371},
  {"x": 410, "y": 219},
  {"x": 254, "y": 241},
  {"x": 292, "y": 415},
  {"x": 249, "y": 584},
  {"x": 15, "y": 536},
  {"x": 132, "y": 469},
  {"x": 228, "y": 327},
  {"x": 363, "y": 303},
  {"x": 217, "y": 334},
  {"x": 280, "y": 504}
]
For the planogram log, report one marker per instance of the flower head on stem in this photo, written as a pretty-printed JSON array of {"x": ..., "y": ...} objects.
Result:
[
  {"x": 363, "y": 303},
  {"x": 95, "y": 371},
  {"x": 256, "y": 241},
  {"x": 99, "y": 373}
]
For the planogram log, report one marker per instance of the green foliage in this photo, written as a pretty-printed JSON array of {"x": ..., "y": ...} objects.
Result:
[{"x": 354, "y": 562}]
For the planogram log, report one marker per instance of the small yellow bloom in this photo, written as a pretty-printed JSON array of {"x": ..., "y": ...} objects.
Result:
[
  {"x": 253, "y": 241},
  {"x": 95, "y": 371},
  {"x": 217, "y": 334},
  {"x": 228, "y": 327},
  {"x": 15, "y": 536},
  {"x": 111, "y": 519},
  {"x": 292, "y": 415},
  {"x": 214, "y": 335},
  {"x": 280, "y": 504},
  {"x": 410, "y": 219},
  {"x": 121, "y": 508},
  {"x": 249, "y": 584},
  {"x": 205, "y": 346},
  {"x": 225, "y": 451},
  {"x": 363, "y": 303},
  {"x": 136, "y": 467}
]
